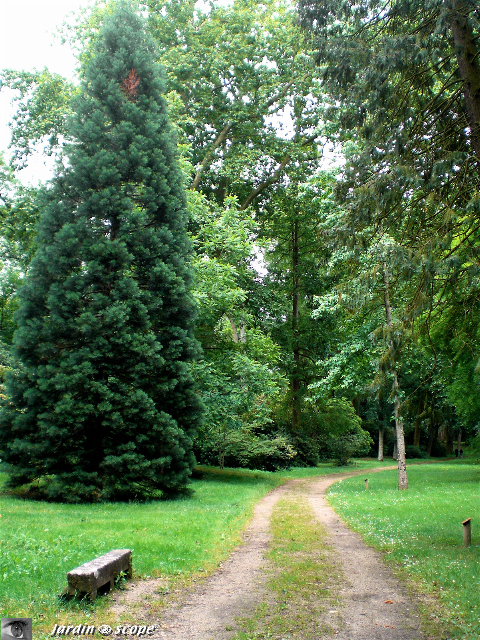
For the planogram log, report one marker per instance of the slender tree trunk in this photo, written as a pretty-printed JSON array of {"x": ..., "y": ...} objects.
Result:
[
  {"x": 402, "y": 465},
  {"x": 400, "y": 436},
  {"x": 447, "y": 437},
  {"x": 380, "y": 444},
  {"x": 432, "y": 433},
  {"x": 418, "y": 423},
  {"x": 238, "y": 335},
  {"x": 295, "y": 380}
]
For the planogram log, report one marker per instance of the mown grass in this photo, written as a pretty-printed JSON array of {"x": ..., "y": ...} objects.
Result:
[
  {"x": 40, "y": 542},
  {"x": 421, "y": 531},
  {"x": 303, "y": 580}
]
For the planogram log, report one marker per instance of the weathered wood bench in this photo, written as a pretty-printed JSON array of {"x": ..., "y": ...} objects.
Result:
[{"x": 93, "y": 575}]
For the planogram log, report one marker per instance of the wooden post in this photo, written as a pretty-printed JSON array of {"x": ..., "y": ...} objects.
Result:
[
  {"x": 366, "y": 484},
  {"x": 467, "y": 532}
]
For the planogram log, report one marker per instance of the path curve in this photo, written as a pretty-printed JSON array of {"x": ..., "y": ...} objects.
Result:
[{"x": 375, "y": 603}]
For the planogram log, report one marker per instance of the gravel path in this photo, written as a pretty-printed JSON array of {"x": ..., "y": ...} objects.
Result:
[{"x": 375, "y": 605}]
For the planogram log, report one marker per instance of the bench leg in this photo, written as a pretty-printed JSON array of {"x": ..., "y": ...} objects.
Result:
[
  {"x": 93, "y": 594},
  {"x": 71, "y": 590},
  {"x": 128, "y": 572}
]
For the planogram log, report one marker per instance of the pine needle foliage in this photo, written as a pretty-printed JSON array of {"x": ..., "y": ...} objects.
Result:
[{"x": 103, "y": 404}]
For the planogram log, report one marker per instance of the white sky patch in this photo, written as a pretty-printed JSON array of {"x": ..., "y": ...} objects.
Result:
[{"x": 27, "y": 43}]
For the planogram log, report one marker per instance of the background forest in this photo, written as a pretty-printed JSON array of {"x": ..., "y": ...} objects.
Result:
[{"x": 331, "y": 158}]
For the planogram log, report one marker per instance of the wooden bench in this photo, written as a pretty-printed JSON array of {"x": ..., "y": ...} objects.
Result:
[{"x": 93, "y": 575}]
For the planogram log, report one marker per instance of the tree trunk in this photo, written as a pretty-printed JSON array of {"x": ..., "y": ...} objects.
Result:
[
  {"x": 468, "y": 66},
  {"x": 432, "y": 434},
  {"x": 402, "y": 465},
  {"x": 238, "y": 336},
  {"x": 459, "y": 440},
  {"x": 295, "y": 380},
  {"x": 418, "y": 423},
  {"x": 380, "y": 444},
  {"x": 447, "y": 437},
  {"x": 399, "y": 433}
]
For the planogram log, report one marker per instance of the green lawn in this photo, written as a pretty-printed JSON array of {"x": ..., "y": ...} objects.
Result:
[
  {"x": 40, "y": 542},
  {"x": 421, "y": 530}
]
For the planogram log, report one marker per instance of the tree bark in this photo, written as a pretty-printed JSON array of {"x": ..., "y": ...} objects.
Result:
[
  {"x": 468, "y": 65},
  {"x": 399, "y": 432},
  {"x": 432, "y": 432},
  {"x": 295, "y": 380},
  {"x": 380, "y": 444},
  {"x": 238, "y": 336}
]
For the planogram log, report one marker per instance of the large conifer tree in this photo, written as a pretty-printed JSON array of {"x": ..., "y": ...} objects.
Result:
[{"x": 102, "y": 406}]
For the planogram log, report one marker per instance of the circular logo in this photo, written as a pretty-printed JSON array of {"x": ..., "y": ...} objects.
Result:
[{"x": 105, "y": 630}]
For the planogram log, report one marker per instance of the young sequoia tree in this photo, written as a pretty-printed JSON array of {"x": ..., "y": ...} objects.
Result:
[{"x": 102, "y": 406}]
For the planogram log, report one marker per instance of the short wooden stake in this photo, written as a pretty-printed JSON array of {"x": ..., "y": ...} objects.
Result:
[
  {"x": 467, "y": 532},
  {"x": 366, "y": 484}
]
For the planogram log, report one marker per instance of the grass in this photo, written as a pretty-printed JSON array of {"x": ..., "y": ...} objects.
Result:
[
  {"x": 420, "y": 530},
  {"x": 302, "y": 579},
  {"x": 40, "y": 542}
]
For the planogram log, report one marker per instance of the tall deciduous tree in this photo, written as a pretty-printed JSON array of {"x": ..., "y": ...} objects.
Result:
[
  {"x": 406, "y": 78},
  {"x": 103, "y": 405}
]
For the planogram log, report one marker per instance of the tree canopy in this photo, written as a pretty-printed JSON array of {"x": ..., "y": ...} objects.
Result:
[{"x": 337, "y": 301}]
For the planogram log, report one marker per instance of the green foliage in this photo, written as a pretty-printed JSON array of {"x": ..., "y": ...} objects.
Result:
[
  {"x": 397, "y": 75},
  {"x": 103, "y": 406},
  {"x": 43, "y": 102},
  {"x": 411, "y": 451},
  {"x": 18, "y": 215},
  {"x": 252, "y": 112},
  {"x": 342, "y": 436},
  {"x": 18, "y": 218},
  {"x": 235, "y": 68},
  {"x": 238, "y": 377}
]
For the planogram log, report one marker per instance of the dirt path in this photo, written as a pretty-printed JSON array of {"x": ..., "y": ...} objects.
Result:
[{"x": 375, "y": 604}]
